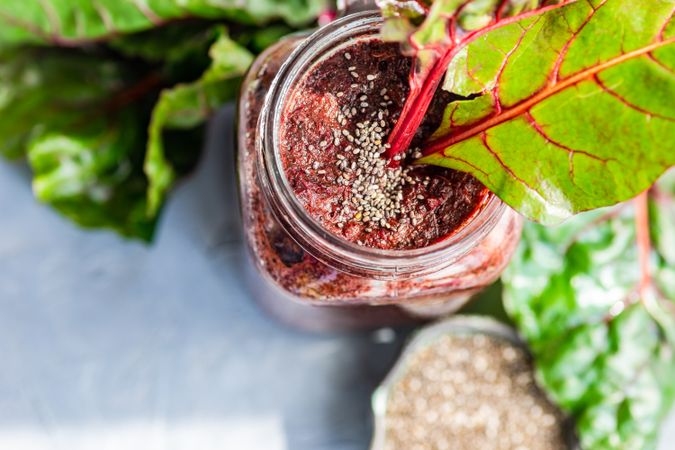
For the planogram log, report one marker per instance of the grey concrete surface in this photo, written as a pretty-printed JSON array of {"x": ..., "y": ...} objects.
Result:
[{"x": 107, "y": 344}]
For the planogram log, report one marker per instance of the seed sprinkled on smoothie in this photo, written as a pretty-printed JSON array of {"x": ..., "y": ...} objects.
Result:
[
  {"x": 376, "y": 188},
  {"x": 341, "y": 114}
]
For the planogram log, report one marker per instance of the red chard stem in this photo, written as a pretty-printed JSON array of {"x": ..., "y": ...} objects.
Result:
[{"x": 643, "y": 242}]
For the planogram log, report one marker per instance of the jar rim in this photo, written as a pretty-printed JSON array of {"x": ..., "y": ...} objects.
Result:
[{"x": 325, "y": 246}]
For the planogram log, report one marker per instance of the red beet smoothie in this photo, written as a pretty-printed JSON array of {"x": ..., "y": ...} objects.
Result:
[
  {"x": 289, "y": 272},
  {"x": 357, "y": 91}
]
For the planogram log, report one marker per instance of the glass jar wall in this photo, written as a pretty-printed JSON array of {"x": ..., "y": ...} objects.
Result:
[{"x": 313, "y": 278}]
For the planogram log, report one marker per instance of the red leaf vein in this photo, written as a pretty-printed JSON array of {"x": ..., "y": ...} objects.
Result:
[
  {"x": 563, "y": 52},
  {"x": 468, "y": 163},
  {"x": 500, "y": 72},
  {"x": 659, "y": 63},
  {"x": 540, "y": 130},
  {"x": 625, "y": 101},
  {"x": 499, "y": 160},
  {"x": 662, "y": 31}
]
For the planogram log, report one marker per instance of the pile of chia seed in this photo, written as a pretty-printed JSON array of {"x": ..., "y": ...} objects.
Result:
[
  {"x": 376, "y": 187},
  {"x": 467, "y": 393}
]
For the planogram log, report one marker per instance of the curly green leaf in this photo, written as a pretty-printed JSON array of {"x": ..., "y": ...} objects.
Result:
[
  {"x": 76, "y": 22},
  {"x": 188, "y": 105},
  {"x": 603, "y": 342}
]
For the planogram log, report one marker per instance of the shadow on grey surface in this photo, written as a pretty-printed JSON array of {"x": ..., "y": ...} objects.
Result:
[
  {"x": 98, "y": 333},
  {"x": 331, "y": 408}
]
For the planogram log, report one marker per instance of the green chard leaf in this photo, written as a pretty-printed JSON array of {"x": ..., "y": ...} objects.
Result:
[
  {"x": 431, "y": 34},
  {"x": 92, "y": 174},
  {"x": 75, "y": 118},
  {"x": 168, "y": 45},
  {"x": 566, "y": 109},
  {"x": 75, "y": 22},
  {"x": 603, "y": 342},
  {"x": 189, "y": 105},
  {"x": 86, "y": 96},
  {"x": 60, "y": 90}
]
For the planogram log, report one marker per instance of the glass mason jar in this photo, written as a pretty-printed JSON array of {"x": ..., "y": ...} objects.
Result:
[{"x": 316, "y": 280}]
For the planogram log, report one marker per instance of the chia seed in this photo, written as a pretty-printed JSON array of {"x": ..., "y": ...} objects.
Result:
[
  {"x": 361, "y": 179},
  {"x": 470, "y": 392}
]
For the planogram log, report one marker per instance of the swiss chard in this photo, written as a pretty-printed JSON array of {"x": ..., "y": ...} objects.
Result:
[
  {"x": 92, "y": 173},
  {"x": 76, "y": 22},
  {"x": 185, "y": 106},
  {"x": 29, "y": 104},
  {"x": 89, "y": 92},
  {"x": 432, "y": 34},
  {"x": 83, "y": 140},
  {"x": 558, "y": 109},
  {"x": 559, "y": 113},
  {"x": 594, "y": 300}
]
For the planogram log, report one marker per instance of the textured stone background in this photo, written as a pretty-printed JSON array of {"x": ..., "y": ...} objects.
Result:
[{"x": 111, "y": 345}]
